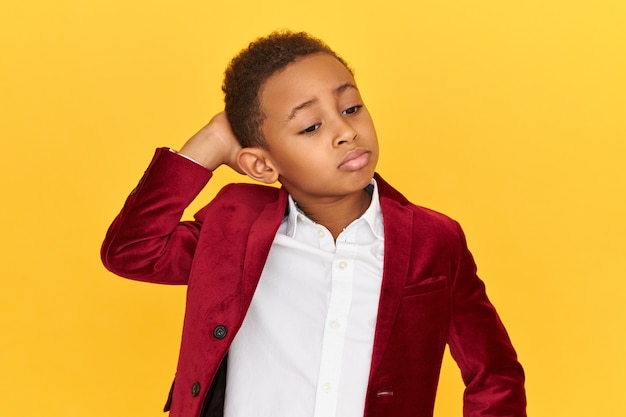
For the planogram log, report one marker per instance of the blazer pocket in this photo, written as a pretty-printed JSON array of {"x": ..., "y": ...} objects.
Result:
[{"x": 426, "y": 286}]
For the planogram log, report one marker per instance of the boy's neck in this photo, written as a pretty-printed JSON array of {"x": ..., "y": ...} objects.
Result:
[{"x": 337, "y": 214}]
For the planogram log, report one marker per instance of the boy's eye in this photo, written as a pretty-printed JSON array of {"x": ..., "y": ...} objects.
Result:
[
  {"x": 351, "y": 110},
  {"x": 311, "y": 128}
]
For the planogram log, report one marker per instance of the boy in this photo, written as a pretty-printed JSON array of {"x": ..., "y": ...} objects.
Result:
[{"x": 331, "y": 296}]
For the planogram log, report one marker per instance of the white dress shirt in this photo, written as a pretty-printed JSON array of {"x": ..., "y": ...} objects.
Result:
[{"x": 305, "y": 346}]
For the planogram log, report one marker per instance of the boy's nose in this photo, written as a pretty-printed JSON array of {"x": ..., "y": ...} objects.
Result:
[{"x": 345, "y": 133}]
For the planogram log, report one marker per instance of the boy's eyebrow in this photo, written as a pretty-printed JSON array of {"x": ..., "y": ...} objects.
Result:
[
  {"x": 301, "y": 106},
  {"x": 344, "y": 87}
]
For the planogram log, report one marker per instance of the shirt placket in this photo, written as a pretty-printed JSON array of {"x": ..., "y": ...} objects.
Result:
[{"x": 342, "y": 276}]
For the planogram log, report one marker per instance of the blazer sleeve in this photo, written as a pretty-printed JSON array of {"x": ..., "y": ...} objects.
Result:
[
  {"x": 147, "y": 240},
  {"x": 480, "y": 345}
]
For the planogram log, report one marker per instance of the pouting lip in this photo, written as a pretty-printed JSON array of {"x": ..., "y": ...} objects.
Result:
[{"x": 353, "y": 154}]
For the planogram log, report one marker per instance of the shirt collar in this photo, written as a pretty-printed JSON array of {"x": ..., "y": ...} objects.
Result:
[{"x": 373, "y": 215}]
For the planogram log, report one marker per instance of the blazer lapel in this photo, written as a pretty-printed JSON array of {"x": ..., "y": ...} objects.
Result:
[
  {"x": 259, "y": 243},
  {"x": 398, "y": 223}
]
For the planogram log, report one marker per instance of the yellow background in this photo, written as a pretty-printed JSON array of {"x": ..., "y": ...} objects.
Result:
[{"x": 507, "y": 115}]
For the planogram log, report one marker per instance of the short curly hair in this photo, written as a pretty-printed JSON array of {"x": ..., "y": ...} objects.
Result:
[{"x": 249, "y": 69}]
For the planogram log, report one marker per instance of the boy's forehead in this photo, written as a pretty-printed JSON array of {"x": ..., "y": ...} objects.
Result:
[{"x": 305, "y": 78}]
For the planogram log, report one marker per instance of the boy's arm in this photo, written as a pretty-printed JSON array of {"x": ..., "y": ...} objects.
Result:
[
  {"x": 481, "y": 347},
  {"x": 147, "y": 241},
  {"x": 214, "y": 145}
]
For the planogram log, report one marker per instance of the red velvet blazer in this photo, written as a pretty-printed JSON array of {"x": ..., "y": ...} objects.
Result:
[{"x": 430, "y": 296}]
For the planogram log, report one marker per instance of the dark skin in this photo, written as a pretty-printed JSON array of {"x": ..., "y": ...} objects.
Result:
[{"x": 321, "y": 142}]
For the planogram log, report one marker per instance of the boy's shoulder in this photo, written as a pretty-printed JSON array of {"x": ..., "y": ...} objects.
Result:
[
  {"x": 422, "y": 218},
  {"x": 247, "y": 198}
]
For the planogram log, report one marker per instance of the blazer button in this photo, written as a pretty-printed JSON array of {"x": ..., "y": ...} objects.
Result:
[
  {"x": 195, "y": 389},
  {"x": 220, "y": 331}
]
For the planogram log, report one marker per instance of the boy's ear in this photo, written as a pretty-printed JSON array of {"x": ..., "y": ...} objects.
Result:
[{"x": 255, "y": 162}]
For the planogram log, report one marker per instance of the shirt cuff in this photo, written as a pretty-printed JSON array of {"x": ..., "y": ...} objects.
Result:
[{"x": 185, "y": 156}]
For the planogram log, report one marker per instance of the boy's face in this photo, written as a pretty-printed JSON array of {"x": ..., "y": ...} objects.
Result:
[{"x": 320, "y": 136}]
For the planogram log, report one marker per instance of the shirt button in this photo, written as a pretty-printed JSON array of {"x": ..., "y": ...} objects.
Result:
[
  {"x": 335, "y": 324},
  {"x": 321, "y": 233},
  {"x": 343, "y": 265},
  {"x": 195, "y": 389},
  {"x": 327, "y": 387},
  {"x": 220, "y": 331}
]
